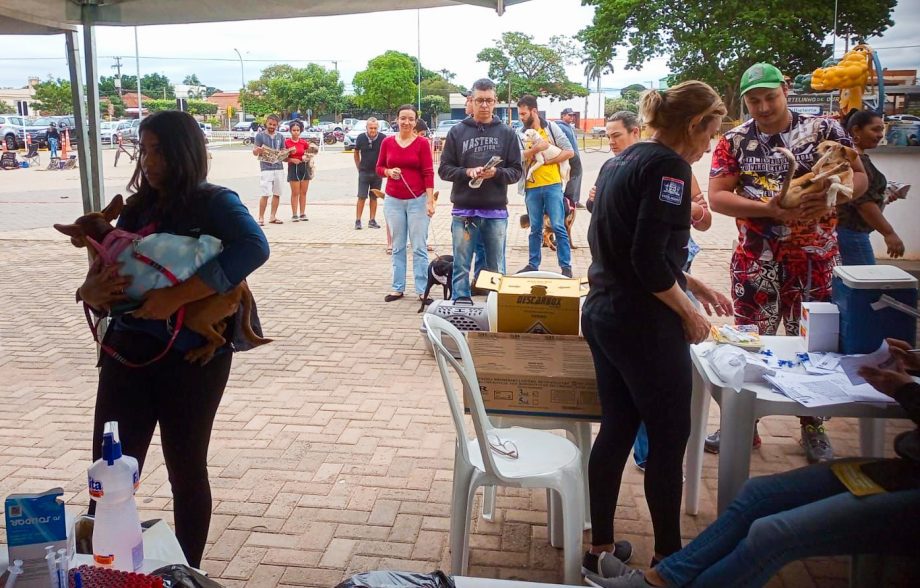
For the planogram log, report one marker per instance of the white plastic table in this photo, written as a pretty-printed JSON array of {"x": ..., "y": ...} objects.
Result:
[{"x": 756, "y": 400}]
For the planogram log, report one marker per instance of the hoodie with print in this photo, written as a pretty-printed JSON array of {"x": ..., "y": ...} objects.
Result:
[{"x": 471, "y": 144}]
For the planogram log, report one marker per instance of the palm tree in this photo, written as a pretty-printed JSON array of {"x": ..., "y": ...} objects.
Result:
[{"x": 597, "y": 63}]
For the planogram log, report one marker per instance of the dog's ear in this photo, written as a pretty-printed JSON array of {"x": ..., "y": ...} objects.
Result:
[
  {"x": 73, "y": 231},
  {"x": 435, "y": 195},
  {"x": 851, "y": 154},
  {"x": 114, "y": 208}
]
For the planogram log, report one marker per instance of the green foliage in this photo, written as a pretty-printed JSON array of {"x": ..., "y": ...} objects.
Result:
[
  {"x": 158, "y": 104},
  {"x": 52, "y": 97},
  {"x": 199, "y": 107},
  {"x": 433, "y": 105},
  {"x": 716, "y": 40},
  {"x": 612, "y": 105},
  {"x": 155, "y": 86},
  {"x": 388, "y": 82},
  {"x": 191, "y": 80},
  {"x": 438, "y": 86},
  {"x": 532, "y": 68},
  {"x": 283, "y": 88},
  {"x": 118, "y": 106},
  {"x": 6, "y": 108}
]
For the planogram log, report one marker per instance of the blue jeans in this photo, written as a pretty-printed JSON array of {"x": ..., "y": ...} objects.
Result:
[
  {"x": 408, "y": 219},
  {"x": 784, "y": 517},
  {"x": 855, "y": 247},
  {"x": 479, "y": 261},
  {"x": 469, "y": 233},
  {"x": 640, "y": 446},
  {"x": 52, "y": 147},
  {"x": 547, "y": 200}
]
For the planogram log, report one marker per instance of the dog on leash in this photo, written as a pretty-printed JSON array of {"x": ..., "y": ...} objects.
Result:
[
  {"x": 549, "y": 236},
  {"x": 380, "y": 194},
  {"x": 208, "y": 317},
  {"x": 835, "y": 164},
  {"x": 440, "y": 272},
  {"x": 531, "y": 136}
]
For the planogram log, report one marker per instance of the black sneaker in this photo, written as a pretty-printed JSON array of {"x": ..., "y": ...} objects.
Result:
[
  {"x": 567, "y": 272},
  {"x": 607, "y": 564},
  {"x": 372, "y": 224},
  {"x": 357, "y": 225},
  {"x": 527, "y": 268},
  {"x": 711, "y": 445}
]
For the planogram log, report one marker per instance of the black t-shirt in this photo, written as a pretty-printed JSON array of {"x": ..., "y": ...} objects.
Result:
[
  {"x": 640, "y": 225},
  {"x": 370, "y": 151}
]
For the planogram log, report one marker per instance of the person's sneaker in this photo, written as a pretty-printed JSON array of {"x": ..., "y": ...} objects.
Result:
[
  {"x": 567, "y": 272},
  {"x": 372, "y": 224},
  {"x": 630, "y": 578},
  {"x": 607, "y": 564},
  {"x": 527, "y": 268},
  {"x": 711, "y": 445},
  {"x": 357, "y": 225},
  {"x": 295, "y": 218},
  {"x": 817, "y": 445}
]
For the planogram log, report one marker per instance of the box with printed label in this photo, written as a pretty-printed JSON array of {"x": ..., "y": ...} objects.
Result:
[
  {"x": 535, "y": 375},
  {"x": 819, "y": 326},
  {"x": 33, "y": 522},
  {"x": 536, "y": 305}
]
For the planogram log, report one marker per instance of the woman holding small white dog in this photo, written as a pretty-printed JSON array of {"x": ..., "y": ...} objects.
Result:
[{"x": 638, "y": 319}]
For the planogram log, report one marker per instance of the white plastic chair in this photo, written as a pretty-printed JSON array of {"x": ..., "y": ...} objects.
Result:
[
  {"x": 578, "y": 431},
  {"x": 515, "y": 457}
]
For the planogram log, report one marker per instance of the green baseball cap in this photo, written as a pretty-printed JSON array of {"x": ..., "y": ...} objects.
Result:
[{"x": 761, "y": 75}]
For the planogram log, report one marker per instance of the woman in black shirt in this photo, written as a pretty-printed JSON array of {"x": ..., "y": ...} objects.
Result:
[{"x": 638, "y": 319}]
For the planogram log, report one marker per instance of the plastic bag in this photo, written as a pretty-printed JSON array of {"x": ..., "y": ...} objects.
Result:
[
  {"x": 180, "y": 576},
  {"x": 385, "y": 579}
]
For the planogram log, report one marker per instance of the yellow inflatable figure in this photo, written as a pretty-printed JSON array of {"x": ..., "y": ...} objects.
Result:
[{"x": 850, "y": 76}]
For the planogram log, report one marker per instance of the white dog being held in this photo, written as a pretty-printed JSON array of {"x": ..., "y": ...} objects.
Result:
[{"x": 531, "y": 136}]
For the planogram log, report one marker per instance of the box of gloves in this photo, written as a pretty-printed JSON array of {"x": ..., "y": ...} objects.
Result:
[{"x": 819, "y": 326}]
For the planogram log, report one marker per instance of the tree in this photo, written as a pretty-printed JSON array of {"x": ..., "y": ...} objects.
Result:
[
  {"x": 438, "y": 86},
  {"x": 597, "y": 62},
  {"x": 612, "y": 105},
  {"x": 532, "y": 68},
  {"x": 6, "y": 108},
  {"x": 716, "y": 40},
  {"x": 433, "y": 105},
  {"x": 447, "y": 74},
  {"x": 154, "y": 84},
  {"x": 199, "y": 107},
  {"x": 283, "y": 88},
  {"x": 192, "y": 80},
  {"x": 52, "y": 97},
  {"x": 388, "y": 81}
]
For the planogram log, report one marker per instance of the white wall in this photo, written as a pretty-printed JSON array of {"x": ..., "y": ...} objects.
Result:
[
  {"x": 900, "y": 164},
  {"x": 554, "y": 107}
]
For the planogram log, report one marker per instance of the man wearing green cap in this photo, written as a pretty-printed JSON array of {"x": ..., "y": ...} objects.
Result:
[{"x": 784, "y": 256}]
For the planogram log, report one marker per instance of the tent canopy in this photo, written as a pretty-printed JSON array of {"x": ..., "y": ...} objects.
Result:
[{"x": 162, "y": 12}]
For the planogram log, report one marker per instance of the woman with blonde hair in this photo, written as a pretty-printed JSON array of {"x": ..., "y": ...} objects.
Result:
[{"x": 638, "y": 319}]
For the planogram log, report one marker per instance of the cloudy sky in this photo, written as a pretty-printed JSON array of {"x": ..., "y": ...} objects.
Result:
[{"x": 450, "y": 38}]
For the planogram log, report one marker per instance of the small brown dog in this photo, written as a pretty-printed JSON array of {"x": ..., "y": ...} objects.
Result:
[
  {"x": 549, "y": 236},
  {"x": 208, "y": 317},
  {"x": 835, "y": 164}
]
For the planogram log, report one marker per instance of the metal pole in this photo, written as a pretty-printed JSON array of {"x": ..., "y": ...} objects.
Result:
[
  {"x": 834, "y": 49},
  {"x": 137, "y": 62},
  {"x": 92, "y": 149},
  {"x": 242, "y": 85},
  {"x": 81, "y": 131},
  {"x": 418, "y": 36}
]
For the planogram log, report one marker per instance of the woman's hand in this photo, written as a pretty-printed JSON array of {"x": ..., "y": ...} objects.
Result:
[
  {"x": 103, "y": 287},
  {"x": 295, "y": 161},
  {"x": 159, "y": 304},
  {"x": 894, "y": 244},
  {"x": 393, "y": 173},
  {"x": 696, "y": 327},
  {"x": 430, "y": 205},
  {"x": 712, "y": 300}
]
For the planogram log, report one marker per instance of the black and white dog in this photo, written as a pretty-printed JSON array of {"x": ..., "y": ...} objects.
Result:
[{"x": 440, "y": 271}]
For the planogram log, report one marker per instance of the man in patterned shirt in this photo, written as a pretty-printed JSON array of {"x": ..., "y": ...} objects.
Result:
[{"x": 784, "y": 256}]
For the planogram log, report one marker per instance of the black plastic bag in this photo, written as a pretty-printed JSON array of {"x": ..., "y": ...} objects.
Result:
[
  {"x": 180, "y": 576},
  {"x": 385, "y": 579}
]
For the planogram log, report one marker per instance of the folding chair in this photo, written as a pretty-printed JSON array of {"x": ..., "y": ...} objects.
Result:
[{"x": 32, "y": 155}]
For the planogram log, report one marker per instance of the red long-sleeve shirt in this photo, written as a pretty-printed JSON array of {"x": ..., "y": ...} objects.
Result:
[{"x": 415, "y": 163}]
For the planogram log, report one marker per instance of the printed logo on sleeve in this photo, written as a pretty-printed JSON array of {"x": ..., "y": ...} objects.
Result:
[{"x": 672, "y": 190}]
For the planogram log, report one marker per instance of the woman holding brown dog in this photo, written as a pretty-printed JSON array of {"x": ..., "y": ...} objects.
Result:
[
  {"x": 171, "y": 196},
  {"x": 638, "y": 319}
]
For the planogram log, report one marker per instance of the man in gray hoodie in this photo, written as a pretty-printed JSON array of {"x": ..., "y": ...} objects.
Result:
[{"x": 479, "y": 213}]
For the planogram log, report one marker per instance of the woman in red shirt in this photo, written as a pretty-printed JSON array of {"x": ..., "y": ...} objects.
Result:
[
  {"x": 300, "y": 172},
  {"x": 405, "y": 160}
]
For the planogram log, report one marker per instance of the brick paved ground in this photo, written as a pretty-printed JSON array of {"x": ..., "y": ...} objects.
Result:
[{"x": 332, "y": 451}]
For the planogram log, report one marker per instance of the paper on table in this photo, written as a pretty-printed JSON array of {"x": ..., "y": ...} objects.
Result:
[
  {"x": 880, "y": 358},
  {"x": 812, "y": 390}
]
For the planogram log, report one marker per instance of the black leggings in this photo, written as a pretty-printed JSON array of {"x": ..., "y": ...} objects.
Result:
[
  {"x": 642, "y": 362},
  {"x": 183, "y": 399}
]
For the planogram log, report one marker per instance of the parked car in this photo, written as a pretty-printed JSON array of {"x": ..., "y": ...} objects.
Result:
[
  {"x": 331, "y": 126},
  {"x": 11, "y": 130},
  {"x": 517, "y": 126},
  {"x": 904, "y": 118},
  {"x": 206, "y": 129},
  {"x": 359, "y": 128},
  {"x": 107, "y": 130},
  {"x": 240, "y": 130},
  {"x": 37, "y": 129},
  {"x": 443, "y": 127},
  {"x": 348, "y": 123}
]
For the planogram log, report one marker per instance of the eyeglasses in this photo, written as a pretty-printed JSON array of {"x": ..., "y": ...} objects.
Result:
[
  {"x": 484, "y": 101},
  {"x": 503, "y": 447}
]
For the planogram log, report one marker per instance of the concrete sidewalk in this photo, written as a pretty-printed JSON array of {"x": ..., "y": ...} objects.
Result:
[{"x": 333, "y": 447}]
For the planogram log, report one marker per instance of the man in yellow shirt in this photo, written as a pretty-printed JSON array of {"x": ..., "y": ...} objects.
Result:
[{"x": 543, "y": 194}]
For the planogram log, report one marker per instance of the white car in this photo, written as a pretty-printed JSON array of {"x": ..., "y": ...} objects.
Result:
[
  {"x": 206, "y": 129},
  {"x": 444, "y": 127},
  {"x": 360, "y": 128},
  {"x": 904, "y": 118}
]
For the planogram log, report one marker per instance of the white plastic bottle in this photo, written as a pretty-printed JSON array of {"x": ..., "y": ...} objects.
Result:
[{"x": 113, "y": 479}]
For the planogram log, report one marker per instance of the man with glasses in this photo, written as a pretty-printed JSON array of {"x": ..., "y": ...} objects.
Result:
[{"x": 480, "y": 191}]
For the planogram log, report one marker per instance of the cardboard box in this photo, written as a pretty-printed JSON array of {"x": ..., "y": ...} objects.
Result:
[
  {"x": 535, "y": 375},
  {"x": 819, "y": 326},
  {"x": 536, "y": 305},
  {"x": 34, "y": 521}
]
